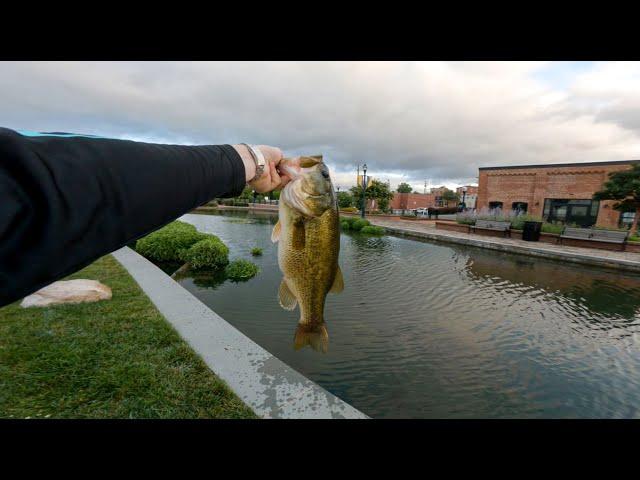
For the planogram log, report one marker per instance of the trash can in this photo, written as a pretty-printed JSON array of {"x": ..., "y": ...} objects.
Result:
[{"x": 531, "y": 231}]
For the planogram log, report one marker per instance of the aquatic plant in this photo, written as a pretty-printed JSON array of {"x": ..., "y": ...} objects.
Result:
[
  {"x": 256, "y": 251},
  {"x": 207, "y": 253},
  {"x": 169, "y": 242},
  {"x": 241, "y": 270}
]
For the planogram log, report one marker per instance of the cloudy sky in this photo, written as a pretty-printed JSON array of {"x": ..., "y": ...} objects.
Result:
[{"x": 409, "y": 121}]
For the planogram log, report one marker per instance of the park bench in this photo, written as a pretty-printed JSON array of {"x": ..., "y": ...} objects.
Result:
[
  {"x": 492, "y": 225},
  {"x": 595, "y": 235}
]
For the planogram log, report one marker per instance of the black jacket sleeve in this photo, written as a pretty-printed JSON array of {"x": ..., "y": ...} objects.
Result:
[{"x": 66, "y": 200}]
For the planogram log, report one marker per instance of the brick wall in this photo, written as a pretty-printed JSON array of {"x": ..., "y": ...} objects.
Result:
[
  {"x": 408, "y": 201},
  {"x": 533, "y": 184}
]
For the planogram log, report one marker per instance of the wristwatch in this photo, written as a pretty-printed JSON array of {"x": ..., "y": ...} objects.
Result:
[{"x": 257, "y": 156}]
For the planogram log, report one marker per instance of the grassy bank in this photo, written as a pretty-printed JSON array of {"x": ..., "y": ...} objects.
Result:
[{"x": 112, "y": 359}]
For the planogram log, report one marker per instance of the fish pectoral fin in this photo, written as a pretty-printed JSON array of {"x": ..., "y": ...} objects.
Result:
[
  {"x": 275, "y": 234},
  {"x": 338, "y": 282},
  {"x": 285, "y": 295}
]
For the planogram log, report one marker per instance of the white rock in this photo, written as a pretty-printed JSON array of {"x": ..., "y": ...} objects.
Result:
[{"x": 68, "y": 291}]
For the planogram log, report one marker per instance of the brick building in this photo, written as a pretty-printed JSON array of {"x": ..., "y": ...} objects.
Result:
[
  {"x": 560, "y": 193},
  {"x": 410, "y": 201}
]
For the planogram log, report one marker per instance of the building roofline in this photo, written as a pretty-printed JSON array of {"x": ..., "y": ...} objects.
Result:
[{"x": 556, "y": 165}]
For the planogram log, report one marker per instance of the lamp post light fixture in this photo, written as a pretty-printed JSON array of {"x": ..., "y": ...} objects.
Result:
[{"x": 364, "y": 189}]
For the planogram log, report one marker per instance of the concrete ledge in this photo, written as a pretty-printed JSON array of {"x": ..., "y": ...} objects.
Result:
[
  {"x": 535, "y": 251},
  {"x": 266, "y": 384}
]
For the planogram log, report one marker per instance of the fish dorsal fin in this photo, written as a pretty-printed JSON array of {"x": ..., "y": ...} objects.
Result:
[
  {"x": 275, "y": 234},
  {"x": 338, "y": 282},
  {"x": 306, "y": 162},
  {"x": 285, "y": 295}
]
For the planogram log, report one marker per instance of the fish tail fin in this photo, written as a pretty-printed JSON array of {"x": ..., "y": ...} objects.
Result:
[{"x": 316, "y": 336}]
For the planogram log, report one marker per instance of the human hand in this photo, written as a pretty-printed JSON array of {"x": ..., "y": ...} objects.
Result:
[{"x": 270, "y": 179}]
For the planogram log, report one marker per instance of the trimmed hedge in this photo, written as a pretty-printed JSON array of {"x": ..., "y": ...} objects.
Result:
[
  {"x": 207, "y": 253},
  {"x": 241, "y": 270},
  {"x": 372, "y": 230},
  {"x": 358, "y": 224},
  {"x": 170, "y": 242}
]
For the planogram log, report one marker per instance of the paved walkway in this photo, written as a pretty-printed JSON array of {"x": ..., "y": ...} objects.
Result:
[{"x": 588, "y": 256}]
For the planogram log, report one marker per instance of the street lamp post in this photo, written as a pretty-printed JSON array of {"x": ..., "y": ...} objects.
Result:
[
  {"x": 364, "y": 189},
  {"x": 464, "y": 196}
]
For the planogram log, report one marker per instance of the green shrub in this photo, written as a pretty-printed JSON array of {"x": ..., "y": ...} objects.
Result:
[
  {"x": 634, "y": 238},
  {"x": 344, "y": 225},
  {"x": 552, "y": 228},
  {"x": 349, "y": 219},
  {"x": 349, "y": 209},
  {"x": 256, "y": 252},
  {"x": 372, "y": 230},
  {"x": 207, "y": 253},
  {"x": 241, "y": 270},
  {"x": 518, "y": 221},
  {"x": 358, "y": 224},
  {"x": 168, "y": 243}
]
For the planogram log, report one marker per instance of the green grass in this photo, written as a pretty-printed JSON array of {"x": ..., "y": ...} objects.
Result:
[{"x": 112, "y": 359}]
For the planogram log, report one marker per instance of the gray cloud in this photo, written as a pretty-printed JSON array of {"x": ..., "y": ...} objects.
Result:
[{"x": 408, "y": 121}]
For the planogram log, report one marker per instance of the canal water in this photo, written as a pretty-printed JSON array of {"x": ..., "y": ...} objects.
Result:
[{"x": 426, "y": 330}]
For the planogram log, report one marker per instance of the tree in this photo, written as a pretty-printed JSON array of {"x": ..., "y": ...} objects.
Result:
[
  {"x": 345, "y": 200},
  {"x": 623, "y": 186},
  {"x": 450, "y": 195},
  {"x": 404, "y": 188},
  {"x": 376, "y": 190}
]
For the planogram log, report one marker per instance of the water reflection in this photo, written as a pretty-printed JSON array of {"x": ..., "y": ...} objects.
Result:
[
  {"x": 206, "y": 279},
  {"x": 598, "y": 291},
  {"x": 425, "y": 330}
]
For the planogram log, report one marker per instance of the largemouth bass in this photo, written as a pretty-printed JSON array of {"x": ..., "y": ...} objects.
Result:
[{"x": 309, "y": 244}]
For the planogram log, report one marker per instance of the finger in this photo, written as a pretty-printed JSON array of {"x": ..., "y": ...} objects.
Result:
[
  {"x": 271, "y": 153},
  {"x": 284, "y": 179},
  {"x": 275, "y": 178}
]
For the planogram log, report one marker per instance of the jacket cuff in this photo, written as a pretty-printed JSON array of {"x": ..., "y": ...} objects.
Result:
[{"x": 238, "y": 173}]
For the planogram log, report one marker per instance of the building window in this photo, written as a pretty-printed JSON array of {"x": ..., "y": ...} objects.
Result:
[
  {"x": 493, "y": 205},
  {"x": 582, "y": 213},
  {"x": 519, "y": 207},
  {"x": 626, "y": 219}
]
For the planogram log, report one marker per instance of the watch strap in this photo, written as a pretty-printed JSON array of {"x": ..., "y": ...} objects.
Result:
[{"x": 259, "y": 160}]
